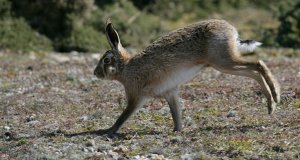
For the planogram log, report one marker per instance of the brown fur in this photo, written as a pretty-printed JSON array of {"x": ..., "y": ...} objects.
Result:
[{"x": 176, "y": 58}]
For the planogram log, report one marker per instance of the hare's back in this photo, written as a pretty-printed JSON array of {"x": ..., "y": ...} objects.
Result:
[{"x": 192, "y": 38}]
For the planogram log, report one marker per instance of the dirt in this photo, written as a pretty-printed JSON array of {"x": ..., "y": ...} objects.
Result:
[{"x": 45, "y": 98}]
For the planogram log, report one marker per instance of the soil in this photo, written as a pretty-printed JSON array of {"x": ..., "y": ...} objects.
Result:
[{"x": 45, "y": 98}]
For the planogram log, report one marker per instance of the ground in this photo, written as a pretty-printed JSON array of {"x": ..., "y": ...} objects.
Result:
[{"x": 46, "y": 97}]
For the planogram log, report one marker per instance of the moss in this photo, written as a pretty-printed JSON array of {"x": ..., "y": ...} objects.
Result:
[
  {"x": 22, "y": 142},
  {"x": 240, "y": 144},
  {"x": 296, "y": 104}
]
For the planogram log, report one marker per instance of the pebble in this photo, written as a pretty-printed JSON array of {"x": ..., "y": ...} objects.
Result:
[
  {"x": 121, "y": 149},
  {"x": 90, "y": 143},
  {"x": 186, "y": 157},
  {"x": 104, "y": 147},
  {"x": 88, "y": 149},
  {"x": 8, "y": 136},
  {"x": 176, "y": 139},
  {"x": 156, "y": 156},
  {"x": 84, "y": 118},
  {"x": 261, "y": 128},
  {"x": 91, "y": 149},
  {"x": 231, "y": 114},
  {"x": 35, "y": 122},
  {"x": 113, "y": 154},
  {"x": 30, "y": 118},
  {"x": 7, "y": 128},
  {"x": 52, "y": 128},
  {"x": 164, "y": 110}
]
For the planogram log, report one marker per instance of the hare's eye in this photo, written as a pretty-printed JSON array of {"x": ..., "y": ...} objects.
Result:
[{"x": 106, "y": 60}]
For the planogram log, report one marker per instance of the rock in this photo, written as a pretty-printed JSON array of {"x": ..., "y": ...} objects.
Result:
[
  {"x": 278, "y": 149},
  {"x": 231, "y": 114},
  {"x": 7, "y": 128},
  {"x": 261, "y": 128},
  {"x": 176, "y": 139},
  {"x": 156, "y": 156},
  {"x": 186, "y": 157},
  {"x": 22, "y": 135},
  {"x": 121, "y": 149},
  {"x": 113, "y": 154},
  {"x": 90, "y": 143},
  {"x": 164, "y": 110},
  {"x": 84, "y": 149},
  {"x": 143, "y": 110},
  {"x": 8, "y": 136},
  {"x": 35, "y": 122},
  {"x": 88, "y": 149},
  {"x": 244, "y": 129},
  {"x": 91, "y": 149},
  {"x": 84, "y": 118},
  {"x": 104, "y": 147},
  {"x": 51, "y": 128}
]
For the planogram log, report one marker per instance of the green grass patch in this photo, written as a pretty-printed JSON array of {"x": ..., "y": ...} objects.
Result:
[{"x": 17, "y": 35}]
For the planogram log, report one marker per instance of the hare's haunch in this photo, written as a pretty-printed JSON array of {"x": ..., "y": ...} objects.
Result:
[{"x": 176, "y": 58}]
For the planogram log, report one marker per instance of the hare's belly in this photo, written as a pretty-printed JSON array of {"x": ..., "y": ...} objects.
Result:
[{"x": 176, "y": 78}]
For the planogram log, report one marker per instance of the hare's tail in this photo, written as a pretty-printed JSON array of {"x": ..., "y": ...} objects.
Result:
[{"x": 245, "y": 46}]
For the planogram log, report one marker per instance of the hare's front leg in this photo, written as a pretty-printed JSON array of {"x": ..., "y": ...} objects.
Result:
[
  {"x": 175, "y": 107},
  {"x": 133, "y": 105}
]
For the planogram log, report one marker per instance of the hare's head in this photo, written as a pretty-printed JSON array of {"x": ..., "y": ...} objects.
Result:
[{"x": 112, "y": 62}]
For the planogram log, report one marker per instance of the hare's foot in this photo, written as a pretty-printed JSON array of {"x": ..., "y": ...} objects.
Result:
[{"x": 271, "y": 106}]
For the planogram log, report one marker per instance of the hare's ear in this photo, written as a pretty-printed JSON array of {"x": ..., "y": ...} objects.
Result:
[
  {"x": 114, "y": 40},
  {"x": 112, "y": 35}
]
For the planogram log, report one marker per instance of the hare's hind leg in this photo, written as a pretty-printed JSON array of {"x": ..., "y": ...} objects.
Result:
[
  {"x": 256, "y": 71},
  {"x": 175, "y": 107},
  {"x": 272, "y": 82}
]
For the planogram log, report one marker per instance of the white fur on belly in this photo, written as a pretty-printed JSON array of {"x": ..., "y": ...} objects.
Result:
[{"x": 176, "y": 78}]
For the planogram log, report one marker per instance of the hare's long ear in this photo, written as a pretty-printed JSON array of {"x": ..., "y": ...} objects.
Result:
[
  {"x": 114, "y": 40},
  {"x": 112, "y": 35}
]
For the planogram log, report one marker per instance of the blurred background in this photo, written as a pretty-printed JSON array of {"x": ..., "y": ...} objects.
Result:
[{"x": 78, "y": 25}]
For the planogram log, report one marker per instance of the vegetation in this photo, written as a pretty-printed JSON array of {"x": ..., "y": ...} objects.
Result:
[
  {"x": 67, "y": 25},
  {"x": 45, "y": 98}
]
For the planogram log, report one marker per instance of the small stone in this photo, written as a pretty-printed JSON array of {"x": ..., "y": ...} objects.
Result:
[
  {"x": 91, "y": 149},
  {"x": 244, "y": 129},
  {"x": 90, "y": 143},
  {"x": 35, "y": 122},
  {"x": 121, "y": 149},
  {"x": 7, "y": 128},
  {"x": 156, "y": 156},
  {"x": 8, "y": 136},
  {"x": 22, "y": 135},
  {"x": 261, "y": 128},
  {"x": 30, "y": 118},
  {"x": 30, "y": 68},
  {"x": 113, "y": 154},
  {"x": 231, "y": 114},
  {"x": 176, "y": 139},
  {"x": 84, "y": 149},
  {"x": 104, "y": 147},
  {"x": 186, "y": 157},
  {"x": 278, "y": 149},
  {"x": 84, "y": 118},
  {"x": 164, "y": 110}
]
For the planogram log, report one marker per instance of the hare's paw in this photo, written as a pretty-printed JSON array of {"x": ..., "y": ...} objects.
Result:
[{"x": 271, "y": 107}]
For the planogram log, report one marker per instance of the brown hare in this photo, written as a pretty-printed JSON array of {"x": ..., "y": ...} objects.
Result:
[{"x": 176, "y": 58}]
